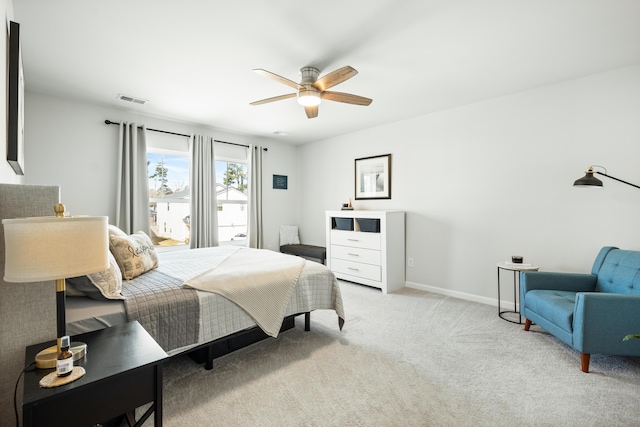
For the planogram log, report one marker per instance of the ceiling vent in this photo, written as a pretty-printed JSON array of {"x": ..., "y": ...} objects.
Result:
[{"x": 128, "y": 98}]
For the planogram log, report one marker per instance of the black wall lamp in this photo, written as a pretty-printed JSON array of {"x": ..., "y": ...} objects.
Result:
[{"x": 590, "y": 180}]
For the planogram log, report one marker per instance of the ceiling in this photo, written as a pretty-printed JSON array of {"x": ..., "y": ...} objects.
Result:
[{"x": 193, "y": 59}]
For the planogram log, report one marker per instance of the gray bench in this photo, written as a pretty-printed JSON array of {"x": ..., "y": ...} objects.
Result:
[{"x": 310, "y": 251}]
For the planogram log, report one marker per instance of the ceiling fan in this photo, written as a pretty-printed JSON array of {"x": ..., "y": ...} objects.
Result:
[{"x": 311, "y": 89}]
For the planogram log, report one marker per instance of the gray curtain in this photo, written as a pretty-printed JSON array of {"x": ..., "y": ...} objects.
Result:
[
  {"x": 256, "y": 238},
  {"x": 204, "y": 203},
  {"x": 132, "y": 204}
]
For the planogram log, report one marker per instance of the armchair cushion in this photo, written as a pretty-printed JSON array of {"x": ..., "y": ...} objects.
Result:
[{"x": 555, "y": 306}]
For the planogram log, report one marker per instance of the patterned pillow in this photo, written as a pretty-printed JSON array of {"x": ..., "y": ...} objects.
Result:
[{"x": 134, "y": 254}]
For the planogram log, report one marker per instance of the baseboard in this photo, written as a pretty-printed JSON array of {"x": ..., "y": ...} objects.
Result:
[{"x": 457, "y": 294}]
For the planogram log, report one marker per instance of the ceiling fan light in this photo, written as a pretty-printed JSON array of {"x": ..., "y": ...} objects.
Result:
[{"x": 308, "y": 98}]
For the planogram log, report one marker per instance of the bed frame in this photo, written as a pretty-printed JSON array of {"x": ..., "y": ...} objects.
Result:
[{"x": 207, "y": 352}]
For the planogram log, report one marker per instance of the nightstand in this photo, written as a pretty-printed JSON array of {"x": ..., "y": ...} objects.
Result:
[{"x": 123, "y": 372}]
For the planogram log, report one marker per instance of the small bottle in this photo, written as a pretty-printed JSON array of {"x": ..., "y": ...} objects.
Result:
[{"x": 64, "y": 364}]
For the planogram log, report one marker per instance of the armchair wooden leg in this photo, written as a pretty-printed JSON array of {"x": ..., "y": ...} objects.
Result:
[
  {"x": 527, "y": 324},
  {"x": 584, "y": 358}
]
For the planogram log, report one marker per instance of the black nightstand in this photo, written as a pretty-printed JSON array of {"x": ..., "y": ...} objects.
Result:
[{"x": 123, "y": 372}]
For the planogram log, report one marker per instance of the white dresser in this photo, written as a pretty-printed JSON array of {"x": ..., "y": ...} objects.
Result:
[{"x": 367, "y": 247}]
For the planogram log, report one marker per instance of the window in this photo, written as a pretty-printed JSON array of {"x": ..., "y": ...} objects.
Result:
[
  {"x": 232, "y": 185},
  {"x": 169, "y": 197},
  {"x": 169, "y": 201}
]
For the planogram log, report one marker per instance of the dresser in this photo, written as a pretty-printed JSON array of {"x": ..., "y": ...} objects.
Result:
[{"x": 367, "y": 247}]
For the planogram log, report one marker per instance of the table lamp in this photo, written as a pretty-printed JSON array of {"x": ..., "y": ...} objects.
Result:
[{"x": 40, "y": 249}]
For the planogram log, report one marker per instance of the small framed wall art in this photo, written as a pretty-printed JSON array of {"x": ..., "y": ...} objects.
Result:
[
  {"x": 373, "y": 177},
  {"x": 280, "y": 182}
]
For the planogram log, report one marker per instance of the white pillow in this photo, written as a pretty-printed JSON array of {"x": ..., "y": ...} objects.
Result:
[
  {"x": 108, "y": 281},
  {"x": 289, "y": 235},
  {"x": 115, "y": 231}
]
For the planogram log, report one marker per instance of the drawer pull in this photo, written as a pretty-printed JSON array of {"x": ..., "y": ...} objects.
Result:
[
  {"x": 353, "y": 240},
  {"x": 349, "y": 253},
  {"x": 354, "y": 269}
]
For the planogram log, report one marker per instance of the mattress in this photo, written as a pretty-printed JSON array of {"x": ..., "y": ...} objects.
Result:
[{"x": 86, "y": 315}]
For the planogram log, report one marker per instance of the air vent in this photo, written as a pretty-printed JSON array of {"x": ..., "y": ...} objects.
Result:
[{"x": 132, "y": 99}]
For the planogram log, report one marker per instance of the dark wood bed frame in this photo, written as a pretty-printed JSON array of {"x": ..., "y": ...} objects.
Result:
[{"x": 207, "y": 352}]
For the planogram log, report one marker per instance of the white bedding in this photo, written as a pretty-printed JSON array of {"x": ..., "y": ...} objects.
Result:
[
  {"x": 317, "y": 289},
  {"x": 248, "y": 278}
]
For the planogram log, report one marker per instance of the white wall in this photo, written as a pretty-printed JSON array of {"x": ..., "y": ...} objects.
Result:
[
  {"x": 67, "y": 143},
  {"x": 486, "y": 181}
]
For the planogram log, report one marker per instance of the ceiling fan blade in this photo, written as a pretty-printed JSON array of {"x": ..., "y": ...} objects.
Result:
[
  {"x": 278, "y": 78},
  {"x": 335, "y": 77},
  {"x": 275, "y": 98},
  {"x": 346, "y": 98},
  {"x": 311, "y": 111}
]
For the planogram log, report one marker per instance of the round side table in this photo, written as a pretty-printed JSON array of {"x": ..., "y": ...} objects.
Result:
[{"x": 516, "y": 268}]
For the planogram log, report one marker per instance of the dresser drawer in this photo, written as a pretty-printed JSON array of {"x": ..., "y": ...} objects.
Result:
[
  {"x": 367, "y": 256},
  {"x": 357, "y": 269},
  {"x": 355, "y": 239}
]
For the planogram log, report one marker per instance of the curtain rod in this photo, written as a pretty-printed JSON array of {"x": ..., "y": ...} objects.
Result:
[{"x": 109, "y": 122}]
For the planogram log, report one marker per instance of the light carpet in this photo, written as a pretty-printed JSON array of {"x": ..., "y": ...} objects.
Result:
[{"x": 410, "y": 358}]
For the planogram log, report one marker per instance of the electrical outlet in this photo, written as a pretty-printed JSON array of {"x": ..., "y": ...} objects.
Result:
[{"x": 409, "y": 262}]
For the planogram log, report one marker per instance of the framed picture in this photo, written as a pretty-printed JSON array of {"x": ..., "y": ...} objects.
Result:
[
  {"x": 373, "y": 177},
  {"x": 280, "y": 182},
  {"x": 15, "y": 101}
]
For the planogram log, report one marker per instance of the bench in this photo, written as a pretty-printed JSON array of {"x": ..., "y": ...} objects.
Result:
[{"x": 310, "y": 251}]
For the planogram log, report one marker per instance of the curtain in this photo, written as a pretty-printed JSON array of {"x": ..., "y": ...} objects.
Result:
[
  {"x": 204, "y": 203},
  {"x": 132, "y": 204},
  {"x": 255, "y": 231}
]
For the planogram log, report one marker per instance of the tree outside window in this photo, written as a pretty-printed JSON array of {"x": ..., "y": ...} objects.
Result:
[{"x": 232, "y": 189}]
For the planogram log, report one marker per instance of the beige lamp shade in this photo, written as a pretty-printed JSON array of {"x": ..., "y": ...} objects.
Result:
[{"x": 49, "y": 248}]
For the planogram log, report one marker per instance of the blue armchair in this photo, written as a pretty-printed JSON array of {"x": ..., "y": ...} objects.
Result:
[{"x": 589, "y": 312}]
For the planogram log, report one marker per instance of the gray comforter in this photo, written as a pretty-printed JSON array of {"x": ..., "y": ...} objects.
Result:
[{"x": 166, "y": 309}]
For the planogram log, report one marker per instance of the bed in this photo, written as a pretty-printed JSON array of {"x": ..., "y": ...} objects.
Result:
[{"x": 173, "y": 302}]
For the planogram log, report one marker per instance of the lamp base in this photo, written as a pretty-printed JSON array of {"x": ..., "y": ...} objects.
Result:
[{"x": 46, "y": 359}]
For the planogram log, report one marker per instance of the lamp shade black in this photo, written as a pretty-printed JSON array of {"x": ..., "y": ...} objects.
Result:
[
  {"x": 588, "y": 179},
  {"x": 591, "y": 181}
]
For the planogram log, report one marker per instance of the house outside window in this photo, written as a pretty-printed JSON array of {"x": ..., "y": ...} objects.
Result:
[{"x": 170, "y": 202}]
